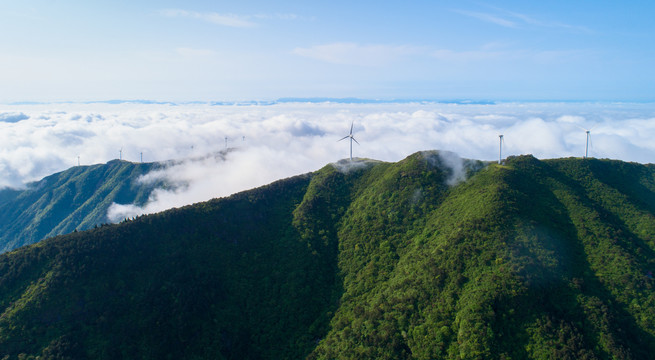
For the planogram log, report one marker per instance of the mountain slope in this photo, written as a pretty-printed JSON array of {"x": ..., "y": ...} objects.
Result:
[
  {"x": 531, "y": 259},
  {"x": 519, "y": 262},
  {"x": 164, "y": 285},
  {"x": 75, "y": 199}
]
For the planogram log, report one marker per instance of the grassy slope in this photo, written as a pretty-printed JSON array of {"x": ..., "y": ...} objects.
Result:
[
  {"x": 75, "y": 199},
  {"x": 534, "y": 259}
]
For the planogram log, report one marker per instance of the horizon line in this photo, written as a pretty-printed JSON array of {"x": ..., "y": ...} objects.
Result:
[{"x": 322, "y": 100}]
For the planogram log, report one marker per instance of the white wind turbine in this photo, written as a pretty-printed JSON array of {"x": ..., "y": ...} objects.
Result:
[
  {"x": 501, "y": 141},
  {"x": 351, "y": 140},
  {"x": 586, "y": 148}
]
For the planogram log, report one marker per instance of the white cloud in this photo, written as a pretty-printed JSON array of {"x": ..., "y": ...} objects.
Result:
[
  {"x": 289, "y": 139},
  {"x": 528, "y": 20},
  {"x": 278, "y": 16},
  {"x": 357, "y": 54},
  {"x": 492, "y": 18},
  {"x": 463, "y": 62},
  {"x": 498, "y": 52},
  {"x": 516, "y": 20},
  {"x": 230, "y": 20}
]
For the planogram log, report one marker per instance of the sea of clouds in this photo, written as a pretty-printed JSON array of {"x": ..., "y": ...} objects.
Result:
[{"x": 274, "y": 141}]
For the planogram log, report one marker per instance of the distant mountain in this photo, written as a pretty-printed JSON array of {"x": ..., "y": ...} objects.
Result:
[
  {"x": 310, "y": 100},
  {"x": 75, "y": 199},
  {"x": 381, "y": 101},
  {"x": 530, "y": 259}
]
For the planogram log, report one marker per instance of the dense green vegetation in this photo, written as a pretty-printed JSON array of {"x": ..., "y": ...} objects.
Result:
[
  {"x": 531, "y": 259},
  {"x": 75, "y": 199}
]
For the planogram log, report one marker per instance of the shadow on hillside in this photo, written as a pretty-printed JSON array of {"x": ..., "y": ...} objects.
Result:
[{"x": 585, "y": 299}]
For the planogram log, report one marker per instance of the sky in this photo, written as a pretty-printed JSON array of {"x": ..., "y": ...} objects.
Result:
[
  {"x": 539, "y": 73},
  {"x": 193, "y": 50}
]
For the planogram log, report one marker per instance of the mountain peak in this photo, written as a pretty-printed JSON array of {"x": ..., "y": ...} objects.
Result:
[
  {"x": 532, "y": 259},
  {"x": 74, "y": 199}
]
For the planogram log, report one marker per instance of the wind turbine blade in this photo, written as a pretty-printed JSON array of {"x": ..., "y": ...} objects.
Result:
[
  {"x": 344, "y": 138},
  {"x": 351, "y": 127},
  {"x": 591, "y": 144},
  {"x": 580, "y": 127},
  {"x": 355, "y": 140}
]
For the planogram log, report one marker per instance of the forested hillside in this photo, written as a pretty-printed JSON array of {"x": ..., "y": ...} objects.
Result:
[
  {"x": 530, "y": 259},
  {"x": 75, "y": 199}
]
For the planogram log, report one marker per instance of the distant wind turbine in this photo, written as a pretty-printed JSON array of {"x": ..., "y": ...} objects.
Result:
[
  {"x": 78, "y": 160},
  {"x": 586, "y": 148},
  {"x": 120, "y": 154},
  {"x": 351, "y": 140},
  {"x": 226, "y": 142},
  {"x": 501, "y": 140}
]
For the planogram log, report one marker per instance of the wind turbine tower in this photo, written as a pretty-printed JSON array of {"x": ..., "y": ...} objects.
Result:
[
  {"x": 500, "y": 148},
  {"x": 120, "y": 154},
  {"x": 588, "y": 132},
  {"x": 351, "y": 140}
]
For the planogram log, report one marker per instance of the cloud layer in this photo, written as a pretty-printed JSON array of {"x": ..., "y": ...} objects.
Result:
[{"x": 276, "y": 141}]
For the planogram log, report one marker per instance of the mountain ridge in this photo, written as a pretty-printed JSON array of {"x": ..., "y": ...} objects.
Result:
[
  {"x": 530, "y": 259},
  {"x": 74, "y": 199}
]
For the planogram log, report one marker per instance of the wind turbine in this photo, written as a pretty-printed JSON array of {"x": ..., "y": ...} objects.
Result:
[
  {"x": 351, "y": 140},
  {"x": 501, "y": 140},
  {"x": 586, "y": 148},
  {"x": 120, "y": 154},
  {"x": 226, "y": 142}
]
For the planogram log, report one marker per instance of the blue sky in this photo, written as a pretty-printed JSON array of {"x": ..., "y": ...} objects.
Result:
[{"x": 58, "y": 50}]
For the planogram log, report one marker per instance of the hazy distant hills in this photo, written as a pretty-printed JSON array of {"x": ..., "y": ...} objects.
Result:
[
  {"x": 283, "y": 101},
  {"x": 527, "y": 260},
  {"x": 75, "y": 199}
]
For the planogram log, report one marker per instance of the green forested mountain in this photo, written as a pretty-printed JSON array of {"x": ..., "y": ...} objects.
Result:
[
  {"x": 75, "y": 199},
  {"x": 527, "y": 260}
]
